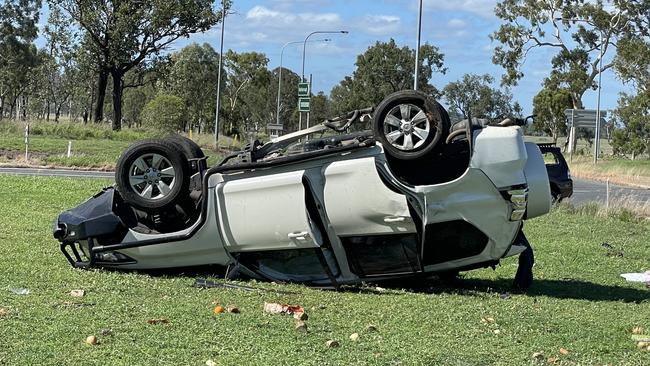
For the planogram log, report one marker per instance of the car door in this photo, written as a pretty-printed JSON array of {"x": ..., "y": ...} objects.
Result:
[
  {"x": 266, "y": 212},
  {"x": 359, "y": 203}
]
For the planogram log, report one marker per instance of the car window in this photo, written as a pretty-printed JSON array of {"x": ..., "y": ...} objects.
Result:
[{"x": 550, "y": 159}]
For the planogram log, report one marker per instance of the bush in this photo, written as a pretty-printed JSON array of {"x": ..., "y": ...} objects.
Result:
[
  {"x": 164, "y": 112},
  {"x": 74, "y": 131}
]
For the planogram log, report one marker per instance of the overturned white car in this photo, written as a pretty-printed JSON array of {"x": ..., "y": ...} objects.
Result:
[{"x": 412, "y": 197}]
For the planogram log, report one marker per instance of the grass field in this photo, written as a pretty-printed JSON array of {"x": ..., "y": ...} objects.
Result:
[
  {"x": 578, "y": 303},
  {"x": 93, "y": 147}
]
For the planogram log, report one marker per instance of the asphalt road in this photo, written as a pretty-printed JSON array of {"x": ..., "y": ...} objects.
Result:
[
  {"x": 57, "y": 173},
  {"x": 594, "y": 191},
  {"x": 583, "y": 190}
]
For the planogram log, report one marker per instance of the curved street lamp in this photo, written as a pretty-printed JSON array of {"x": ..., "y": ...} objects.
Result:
[
  {"x": 277, "y": 118},
  {"x": 304, "y": 48}
]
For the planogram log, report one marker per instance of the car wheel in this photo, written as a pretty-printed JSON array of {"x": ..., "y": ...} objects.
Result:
[
  {"x": 190, "y": 148},
  {"x": 152, "y": 174},
  {"x": 410, "y": 124}
]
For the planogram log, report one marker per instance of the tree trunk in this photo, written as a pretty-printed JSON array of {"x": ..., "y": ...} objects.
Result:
[
  {"x": 117, "y": 98},
  {"x": 102, "y": 81}
]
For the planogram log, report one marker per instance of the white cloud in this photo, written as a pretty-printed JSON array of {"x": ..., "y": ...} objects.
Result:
[
  {"x": 456, "y": 23},
  {"x": 279, "y": 19},
  {"x": 380, "y": 24},
  {"x": 483, "y": 8}
]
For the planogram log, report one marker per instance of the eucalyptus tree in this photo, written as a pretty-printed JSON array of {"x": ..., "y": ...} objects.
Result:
[{"x": 125, "y": 34}]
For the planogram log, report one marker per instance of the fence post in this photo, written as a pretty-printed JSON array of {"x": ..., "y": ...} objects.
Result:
[
  {"x": 69, "y": 148},
  {"x": 607, "y": 196},
  {"x": 26, "y": 141}
]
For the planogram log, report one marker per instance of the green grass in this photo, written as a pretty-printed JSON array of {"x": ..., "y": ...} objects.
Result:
[
  {"x": 93, "y": 146},
  {"x": 578, "y": 302}
]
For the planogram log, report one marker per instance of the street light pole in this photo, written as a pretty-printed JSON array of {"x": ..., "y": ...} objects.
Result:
[
  {"x": 600, "y": 78},
  {"x": 417, "y": 48},
  {"x": 277, "y": 118},
  {"x": 216, "y": 119},
  {"x": 304, "y": 48}
]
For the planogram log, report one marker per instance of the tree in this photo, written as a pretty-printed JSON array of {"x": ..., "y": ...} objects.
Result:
[
  {"x": 384, "y": 69},
  {"x": 164, "y": 112},
  {"x": 634, "y": 113},
  {"x": 247, "y": 93},
  {"x": 193, "y": 77},
  {"x": 320, "y": 108},
  {"x": 549, "y": 106},
  {"x": 533, "y": 24},
  {"x": 18, "y": 55},
  {"x": 288, "y": 97},
  {"x": 474, "y": 95},
  {"x": 126, "y": 34}
]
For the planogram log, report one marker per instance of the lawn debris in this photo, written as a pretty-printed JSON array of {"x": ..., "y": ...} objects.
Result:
[
  {"x": 158, "y": 321},
  {"x": 636, "y": 277},
  {"x": 20, "y": 291},
  {"x": 488, "y": 320},
  {"x": 77, "y": 293},
  {"x": 553, "y": 360},
  {"x": 210, "y": 363},
  {"x": 203, "y": 283},
  {"x": 300, "y": 316},
  {"x": 564, "y": 351},
  {"x": 612, "y": 251},
  {"x": 4, "y": 312},
  {"x": 332, "y": 343},
  {"x": 496, "y": 331},
  {"x": 637, "y": 330},
  {"x": 282, "y": 309},
  {"x": 232, "y": 309},
  {"x": 218, "y": 309},
  {"x": 504, "y": 295},
  {"x": 371, "y": 328},
  {"x": 537, "y": 355},
  {"x": 91, "y": 340},
  {"x": 106, "y": 331},
  {"x": 642, "y": 344},
  {"x": 301, "y": 326},
  {"x": 354, "y": 337}
]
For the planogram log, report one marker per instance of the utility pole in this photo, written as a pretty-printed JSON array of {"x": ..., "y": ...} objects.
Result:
[
  {"x": 216, "y": 119},
  {"x": 417, "y": 49},
  {"x": 600, "y": 78}
]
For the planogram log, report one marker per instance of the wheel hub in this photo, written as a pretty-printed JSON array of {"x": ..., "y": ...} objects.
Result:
[{"x": 407, "y": 127}]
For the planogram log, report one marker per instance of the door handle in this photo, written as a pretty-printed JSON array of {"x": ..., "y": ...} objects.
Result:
[
  {"x": 302, "y": 235},
  {"x": 391, "y": 219}
]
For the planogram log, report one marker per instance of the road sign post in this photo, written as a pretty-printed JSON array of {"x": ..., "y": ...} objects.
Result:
[
  {"x": 303, "y": 104},
  {"x": 584, "y": 118},
  {"x": 303, "y": 89}
]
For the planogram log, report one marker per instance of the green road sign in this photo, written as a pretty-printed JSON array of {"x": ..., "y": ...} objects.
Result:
[
  {"x": 303, "y": 89},
  {"x": 303, "y": 104}
]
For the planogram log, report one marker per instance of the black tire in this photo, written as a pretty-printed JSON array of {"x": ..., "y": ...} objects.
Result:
[
  {"x": 165, "y": 188},
  {"x": 190, "y": 148},
  {"x": 436, "y": 124}
]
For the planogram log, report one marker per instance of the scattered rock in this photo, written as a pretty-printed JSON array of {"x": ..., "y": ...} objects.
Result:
[
  {"x": 91, "y": 340},
  {"x": 4, "y": 312},
  {"x": 371, "y": 328},
  {"x": 210, "y": 363},
  {"x": 537, "y": 355},
  {"x": 354, "y": 337},
  {"x": 496, "y": 331},
  {"x": 232, "y": 309},
  {"x": 552, "y": 360},
  {"x": 20, "y": 291},
  {"x": 158, "y": 321},
  {"x": 643, "y": 344},
  {"x": 106, "y": 332},
  {"x": 332, "y": 344},
  {"x": 77, "y": 293},
  {"x": 564, "y": 351},
  {"x": 301, "y": 326},
  {"x": 218, "y": 309}
]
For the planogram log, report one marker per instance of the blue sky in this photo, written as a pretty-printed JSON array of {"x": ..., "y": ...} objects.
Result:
[{"x": 460, "y": 28}]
